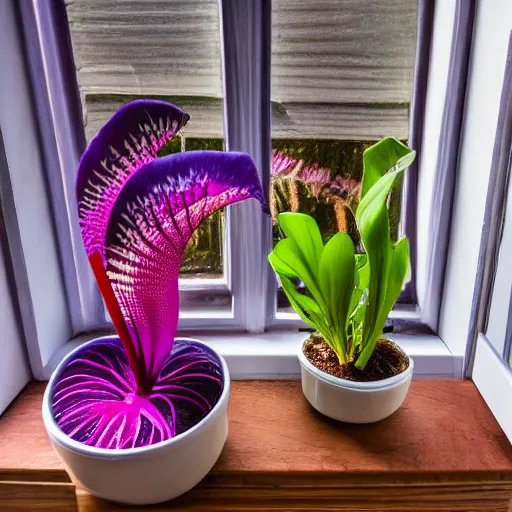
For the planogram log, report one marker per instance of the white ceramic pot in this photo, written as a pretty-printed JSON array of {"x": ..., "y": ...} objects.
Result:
[
  {"x": 146, "y": 475},
  {"x": 353, "y": 402}
]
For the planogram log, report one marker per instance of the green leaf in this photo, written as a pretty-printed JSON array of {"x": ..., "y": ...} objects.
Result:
[
  {"x": 363, "y": 276},
  {"x": 305, "y": 306},
  {"x": 336, "y": 271},
  {"x": 328, "y": 274},
  {"x": 372, "y": 202},
  {"x": 362, "y": 281},
  {"x": 373, "y": 223},
  {"x": 359, "y": 313},
  {"x": 295, "y": 265},
  {"x": 361, "y": 260},
  {"x": 377, "y": 243},
  {"x": 280, "y": 267},
  {"x": 399, "y": 274},
  {"x": 303, "y": 230},
  {"x": 336, "y": 280},
  {"x": 381, "y": 157},
  {"x": 308, "y": 310}
]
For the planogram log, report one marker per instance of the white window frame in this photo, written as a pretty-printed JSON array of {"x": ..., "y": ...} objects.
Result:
[
  {"x": 251, "y": 351},
  {"x": 491, "y": 307}
]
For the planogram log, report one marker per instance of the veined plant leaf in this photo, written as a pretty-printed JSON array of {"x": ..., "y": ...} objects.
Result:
[
  {"x": 303, "y": 231},
  {"x": 127, "y": 142},
  {"x": 382, "y": 157},
  {"x": 289, "y": 253},
  {"x": 306, "y": 307},
  {"x": 336, "y": 279},
  {"x": 137, "y": 213},
  {"x": 153, "y": 218},
  {"x": 373, "y": 223}
]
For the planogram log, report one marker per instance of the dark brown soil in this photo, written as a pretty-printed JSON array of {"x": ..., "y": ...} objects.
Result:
[{"x": 386, "y": 361}]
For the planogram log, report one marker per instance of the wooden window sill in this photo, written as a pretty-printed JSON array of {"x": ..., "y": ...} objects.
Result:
[{"x": 443, "y": 450}]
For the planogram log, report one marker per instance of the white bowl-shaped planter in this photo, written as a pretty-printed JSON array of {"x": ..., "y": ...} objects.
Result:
[
  {"x": 143, "y": 475},
  {"x": 350, "y": 401}
]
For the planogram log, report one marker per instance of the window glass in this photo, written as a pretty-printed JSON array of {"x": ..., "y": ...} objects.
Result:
[
  {"x": 342, "y": 75},
  {"x": 165, "y": 49}
]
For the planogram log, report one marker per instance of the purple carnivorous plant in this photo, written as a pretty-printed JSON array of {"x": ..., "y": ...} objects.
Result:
[{"x": 137, "y": 213}]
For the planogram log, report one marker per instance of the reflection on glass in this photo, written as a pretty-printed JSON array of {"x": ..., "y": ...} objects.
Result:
[{"x": 322, "y": 179}]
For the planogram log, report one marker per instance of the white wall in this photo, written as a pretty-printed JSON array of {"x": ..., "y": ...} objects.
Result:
[
  {"x": 492, "y": 29},
  {"x": 14, "y": 371},
  {"x": 45, "y": 303}
]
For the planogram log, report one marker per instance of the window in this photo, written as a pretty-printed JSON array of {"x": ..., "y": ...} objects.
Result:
[
  {"x": 303, "y": 89},
  {"x": 331, "y": 97},
  {"x": 342, "y": 77}
]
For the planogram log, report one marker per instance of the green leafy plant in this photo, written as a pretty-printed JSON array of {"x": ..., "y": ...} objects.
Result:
[{"x": 348, "y": 296}]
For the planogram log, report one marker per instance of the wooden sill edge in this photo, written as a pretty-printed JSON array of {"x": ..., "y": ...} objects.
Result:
[{"x": 443, "y": 436}]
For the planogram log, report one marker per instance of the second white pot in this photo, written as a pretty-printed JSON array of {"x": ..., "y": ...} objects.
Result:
[
  {"x": 349, "y": 401},
  {"x": 145, "y": 475}
]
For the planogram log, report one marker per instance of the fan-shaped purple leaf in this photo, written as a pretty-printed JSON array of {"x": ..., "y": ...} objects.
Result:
[
  {"x": 129, "y": 140},
  {"x": 152, "y": 220}
]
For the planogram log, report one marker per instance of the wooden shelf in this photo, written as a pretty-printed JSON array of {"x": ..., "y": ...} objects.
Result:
[{"x": 443, "y": 450}]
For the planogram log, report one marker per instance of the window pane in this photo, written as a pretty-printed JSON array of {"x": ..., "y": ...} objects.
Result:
[
  {"x": 342, "y": 74},
  {"x": 165, "y": 49}
]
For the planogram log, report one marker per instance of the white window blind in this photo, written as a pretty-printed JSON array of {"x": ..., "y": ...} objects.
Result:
[
  {"x": 342, "y": 69},
  {"x": 155, "y": 47},
  {"x": 342, "y": 77}
]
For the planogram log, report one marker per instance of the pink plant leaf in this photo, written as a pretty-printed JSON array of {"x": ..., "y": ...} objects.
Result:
[
  {"x": 283, "y": 165},
  {"x": 129, "y": 140},
  {"x": 95, "y": 399},
  {"x": 346, "y": 188},
  {"x": 153, "y": 218},
  {"x": 137, "y": 212}
]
